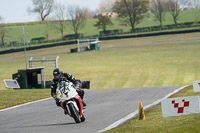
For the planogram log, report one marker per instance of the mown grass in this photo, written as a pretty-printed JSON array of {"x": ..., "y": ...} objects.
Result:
[
  {"x": 170, "y": 60},
  {"x": 155, "y": 123}
]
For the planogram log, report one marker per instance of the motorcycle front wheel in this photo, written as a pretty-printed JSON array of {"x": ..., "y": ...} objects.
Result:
[
  {"x": 82, "y": 118},
  {"x": 74, "y": 113}
]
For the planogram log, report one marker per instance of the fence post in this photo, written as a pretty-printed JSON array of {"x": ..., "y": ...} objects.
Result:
[
  {"x": 57, "y": 61},
  {"x": 30, "y": 62},
  {"x": 44, "y": 82}
]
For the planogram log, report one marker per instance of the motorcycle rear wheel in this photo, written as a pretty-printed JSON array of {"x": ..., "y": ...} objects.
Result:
[{"x": 74, "y": 113}]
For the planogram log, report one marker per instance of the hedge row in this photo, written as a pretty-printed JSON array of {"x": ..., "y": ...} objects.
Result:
[{"x": 152, "y": 28}]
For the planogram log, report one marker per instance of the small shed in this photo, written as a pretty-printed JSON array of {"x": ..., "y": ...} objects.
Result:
[
  {"x": 30, "y": 78},
  {"x": 95, "y": 45}
]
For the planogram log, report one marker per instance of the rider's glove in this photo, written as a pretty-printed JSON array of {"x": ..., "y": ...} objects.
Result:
[
  {"x": 54, "y": 96},
  {"x": 77, "y": 87}
]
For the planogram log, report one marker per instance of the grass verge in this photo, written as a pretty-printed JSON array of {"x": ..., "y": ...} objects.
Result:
[
  {"x": 10, "y": 98},
  {"x": 155, "y": 123}
]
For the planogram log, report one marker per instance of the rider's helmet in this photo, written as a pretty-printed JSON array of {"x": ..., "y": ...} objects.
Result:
[{"x": 57, "y": 73}]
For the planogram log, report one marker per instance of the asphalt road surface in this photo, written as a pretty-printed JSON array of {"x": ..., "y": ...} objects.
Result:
[{"x": 104, "y": 107}]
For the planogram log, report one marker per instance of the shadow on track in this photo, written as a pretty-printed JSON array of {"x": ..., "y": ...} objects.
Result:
[{"x": 49, "y": 125}]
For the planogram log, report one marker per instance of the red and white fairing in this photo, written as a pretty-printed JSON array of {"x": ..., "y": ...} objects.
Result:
[{"x": 67, "y": 93}]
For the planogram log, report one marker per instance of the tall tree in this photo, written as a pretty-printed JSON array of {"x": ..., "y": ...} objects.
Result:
[
  {"x": 131, "y": 12},
  {"x": 77, "y": 18},
  {"x": 60, "y": 17},
  {"x": 2, "y": 31},
  {"x": 42, "y": 7},
  {"x": 175, "y": 10},
  {"x": 103, "y": 22},
  {"x": 158, "y": 8}
]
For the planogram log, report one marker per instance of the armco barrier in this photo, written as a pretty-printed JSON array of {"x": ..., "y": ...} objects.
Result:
[
  {"x": 36, "y": 47},
  {"x": 149, "y": 34},
  {"x": 100, "y": 38}
]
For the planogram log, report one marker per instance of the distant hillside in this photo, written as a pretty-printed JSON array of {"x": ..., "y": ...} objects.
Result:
[{"x": 44, "y": 29}]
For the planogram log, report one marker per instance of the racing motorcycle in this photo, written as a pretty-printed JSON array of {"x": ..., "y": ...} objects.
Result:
[{"x": 70, "y": 101}]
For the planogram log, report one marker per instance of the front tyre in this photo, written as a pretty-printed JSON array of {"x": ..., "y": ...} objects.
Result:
[
  {"x": 82, "y": 118},
  {"x": 74, "y": 113}
]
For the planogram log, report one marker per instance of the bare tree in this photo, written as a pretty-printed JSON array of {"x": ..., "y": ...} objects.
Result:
[
  {"x": 131, "y": 12},
  {"x": 106, "y": 6},
  {"x": 60, "y": 17},
  {"x": 183, "y": 3},
  {"x": 42, "y": 7},
  {"x": 77, "y": 18},
  {"x": 158, "y": 7},
  {"x": 195, "y": 4},
  {"x": 2, "y": 31},
  {"x": 175, "y": 10}
]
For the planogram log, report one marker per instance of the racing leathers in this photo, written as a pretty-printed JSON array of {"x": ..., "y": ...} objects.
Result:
[{"x": 66, "y": 76}]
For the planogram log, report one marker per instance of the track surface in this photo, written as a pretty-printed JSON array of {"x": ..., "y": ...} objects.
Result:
[{"x": 104, "y": 107}]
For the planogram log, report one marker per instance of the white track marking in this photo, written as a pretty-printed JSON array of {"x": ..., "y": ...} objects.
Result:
[
  {"x": 24, "y": 104},
  {"x": 135, "y": 113}
]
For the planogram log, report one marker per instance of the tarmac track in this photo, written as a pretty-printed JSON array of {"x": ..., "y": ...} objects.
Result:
[{"x": 104, "y": 107}]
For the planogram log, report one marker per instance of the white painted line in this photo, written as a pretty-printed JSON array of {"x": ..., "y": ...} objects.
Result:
[
  {"x": 135, "y": 113},
  {"x": 24, "y": 104}
]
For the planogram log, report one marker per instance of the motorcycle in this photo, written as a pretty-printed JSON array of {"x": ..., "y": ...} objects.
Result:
[{"x": 70, "y": 101}]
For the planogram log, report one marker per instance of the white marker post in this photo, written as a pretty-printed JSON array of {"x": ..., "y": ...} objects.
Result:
[
  {"x": 196, "y": 86},
  {"x": 180, "y": 106}
]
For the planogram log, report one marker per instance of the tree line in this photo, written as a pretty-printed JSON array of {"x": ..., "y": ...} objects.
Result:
[{"x": 130, "y": 13}]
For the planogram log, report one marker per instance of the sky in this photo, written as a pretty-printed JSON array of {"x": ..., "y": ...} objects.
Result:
[{"x": 15, "y": 11}]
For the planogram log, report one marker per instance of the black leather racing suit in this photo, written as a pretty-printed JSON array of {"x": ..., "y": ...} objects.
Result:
[{"x": 69, "y": 77}]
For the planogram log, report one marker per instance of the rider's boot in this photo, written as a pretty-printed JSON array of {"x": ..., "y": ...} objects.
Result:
[
  {"x": 58, "y": 102},
  {"x": 84, "y": 104},
  {"x": 65, "y": 112}
]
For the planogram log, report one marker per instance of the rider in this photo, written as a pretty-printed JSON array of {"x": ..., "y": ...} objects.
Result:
[{"x": 58, "y": 75}]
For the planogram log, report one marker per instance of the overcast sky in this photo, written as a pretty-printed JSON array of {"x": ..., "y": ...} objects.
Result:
[{"x": 14, "y": 11}]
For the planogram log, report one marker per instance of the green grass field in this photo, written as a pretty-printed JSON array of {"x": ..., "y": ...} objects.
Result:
[
  {"x": 170, "y": 60},
  {"x": 156, "y": 61},
  {"x": 41, "y": 30}
]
